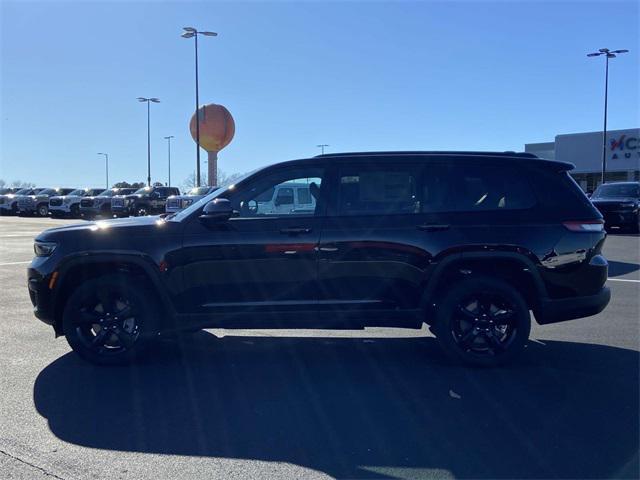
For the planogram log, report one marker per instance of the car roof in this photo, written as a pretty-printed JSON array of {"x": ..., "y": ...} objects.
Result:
[{"x": 439, "y": 156}]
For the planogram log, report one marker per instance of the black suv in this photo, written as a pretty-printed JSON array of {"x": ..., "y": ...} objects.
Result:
[
  {"x": 145, "y": 201},
  {"x": 469, "y": 243},
  {"x": 619, "y": 203}
]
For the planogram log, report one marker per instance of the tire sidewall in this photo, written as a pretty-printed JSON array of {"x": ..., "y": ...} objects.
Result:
[
  {"x": 145, "y": 321},
  {"x": 43, "y": 210},
  {"x": 481, "y": 284}
]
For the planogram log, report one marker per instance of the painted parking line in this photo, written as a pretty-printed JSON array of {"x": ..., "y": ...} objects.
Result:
[
  {"x": 622, "y": 280},
  {"x": 14, "y": 263}
]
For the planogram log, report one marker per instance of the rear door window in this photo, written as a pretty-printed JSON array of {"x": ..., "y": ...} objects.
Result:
[
  {"x": 472, "y": 188},
  {"x": 378, "y": 190}
]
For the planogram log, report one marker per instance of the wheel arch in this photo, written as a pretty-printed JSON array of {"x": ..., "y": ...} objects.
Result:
[
  {"x": 79, "y": 269},
  {"x": 516, "y": 268}
]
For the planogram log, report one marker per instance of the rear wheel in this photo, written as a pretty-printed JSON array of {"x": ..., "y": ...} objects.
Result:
[
  {"x": 75, "y": 211},
  {"x": 108, "y": 320},
  {"x": 141, "y": 210},
  {"x": 483, "y": 321}
]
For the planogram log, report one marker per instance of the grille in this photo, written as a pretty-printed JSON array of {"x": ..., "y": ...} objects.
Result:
[
  {"x": 117, "y": 202},
  {"x": 173, "y": 203},
  {"x": 55, "y": 202},
  {"x": 2, "y": 200}
]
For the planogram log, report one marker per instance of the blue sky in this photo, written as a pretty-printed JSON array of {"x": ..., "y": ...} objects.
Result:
[{"x": 355, "y": 75}]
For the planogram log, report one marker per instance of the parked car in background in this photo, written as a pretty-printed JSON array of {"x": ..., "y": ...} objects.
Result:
[
  {"x": 69, "y": 205},
  {"x": 469, "y": 243},
  {"x": 9, "y": 201},
  {"x": 100, "y": 205},
  {"x": 7, "y": 191},
  {"x": 38, "y": 203},
  {"x": 145, "y": 201},
  {"x": 175, "y": 203},
  {"x": 619, "y": 204}
]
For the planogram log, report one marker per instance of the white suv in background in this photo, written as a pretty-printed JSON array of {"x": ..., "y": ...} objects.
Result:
[
  {"x": 69, "y": 205},
  {"x": 175, "y": 203}
]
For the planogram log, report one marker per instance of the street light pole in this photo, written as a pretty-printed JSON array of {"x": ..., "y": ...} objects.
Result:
[
  {"x": 168, "y": 139},
  {"x": 188, "y": 33},
  {"x": 607, "y": 54},
  {"x": 106, "y": 167},
  {"x": 321, "y": 146},
  {"x": 148, "y": 100}
]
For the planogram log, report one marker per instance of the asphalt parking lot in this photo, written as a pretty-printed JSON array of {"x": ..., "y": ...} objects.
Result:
[{"x": 290, "y": 404}]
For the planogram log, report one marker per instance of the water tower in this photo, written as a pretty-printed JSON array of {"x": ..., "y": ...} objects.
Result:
[{"x": 216, "y": 132}]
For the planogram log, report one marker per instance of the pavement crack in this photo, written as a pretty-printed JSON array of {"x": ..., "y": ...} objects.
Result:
[{"x": 53, "y": 475}]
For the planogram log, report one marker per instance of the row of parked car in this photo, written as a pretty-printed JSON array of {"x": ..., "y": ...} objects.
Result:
[{"x": 92, "y": 203}]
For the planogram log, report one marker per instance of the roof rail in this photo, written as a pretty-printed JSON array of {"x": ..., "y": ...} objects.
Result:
[{"x": 429, "y": 152}]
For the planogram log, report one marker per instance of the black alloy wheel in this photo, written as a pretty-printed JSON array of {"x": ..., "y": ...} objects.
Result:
[
  {"x": 141, "y": 211},
  {"x": 106, "y": 319},
  {"x": 483, "y": 321}
]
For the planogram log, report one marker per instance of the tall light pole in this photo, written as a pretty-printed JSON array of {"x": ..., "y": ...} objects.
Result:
[
  {"x": 148, "y": 100},
  {"x": 321, "y": 146},
  {"x": 168, "y": 139},
  {"x": 106, "y": 166},
  {"x": 188, "y": 33},
  {"x": 607, "y": 54}
]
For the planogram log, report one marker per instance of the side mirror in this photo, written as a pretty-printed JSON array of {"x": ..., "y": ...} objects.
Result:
[{"x": 217, "y": 210}]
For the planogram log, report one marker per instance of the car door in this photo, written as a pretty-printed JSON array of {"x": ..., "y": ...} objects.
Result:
[
  {"x": 258, "y": 260},
  {"x": 376, "y": 242}
]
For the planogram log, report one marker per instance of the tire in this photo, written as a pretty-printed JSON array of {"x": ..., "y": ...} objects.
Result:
[
  {"x": 75, "y": 211},
  {"x": 483, "y": 321},
  {"x": 102, "y": 336},
  {"x": 43, "y": 210},
  {"x": 140, "y": 210}
]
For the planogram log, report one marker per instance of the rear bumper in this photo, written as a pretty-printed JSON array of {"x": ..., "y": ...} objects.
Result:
[{"x": 560, "y": 310}]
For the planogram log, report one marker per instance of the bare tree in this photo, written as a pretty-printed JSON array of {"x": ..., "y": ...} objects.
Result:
[{"x": 224, "y": 179}]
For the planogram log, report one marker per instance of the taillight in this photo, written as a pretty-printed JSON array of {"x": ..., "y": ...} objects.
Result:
[{"x": 584, "y": 225}]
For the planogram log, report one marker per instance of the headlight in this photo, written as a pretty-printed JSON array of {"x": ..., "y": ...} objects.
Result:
[{"x": 44, "y": 249}]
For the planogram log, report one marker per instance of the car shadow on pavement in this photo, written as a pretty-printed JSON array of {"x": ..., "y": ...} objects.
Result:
[
  {"x": 617, "y": 269},
  {"x": 359, "y": 408}
]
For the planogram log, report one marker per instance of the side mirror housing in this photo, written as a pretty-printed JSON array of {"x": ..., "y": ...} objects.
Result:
[{"x": 217, "y": 210}]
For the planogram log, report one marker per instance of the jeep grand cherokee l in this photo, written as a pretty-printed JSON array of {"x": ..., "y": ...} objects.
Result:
[{"x": 469, "y": 243}]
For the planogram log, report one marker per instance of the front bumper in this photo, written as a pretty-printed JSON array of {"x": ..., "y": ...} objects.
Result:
[
  {"x": 560, "y": 310},
  {"x": 60, "y": 208},
  {"x": 621, "y": 218},
  {"x": 40, "y": 296}
]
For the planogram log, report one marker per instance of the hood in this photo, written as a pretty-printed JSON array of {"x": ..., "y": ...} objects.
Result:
[{"x": 110, "y": 229}]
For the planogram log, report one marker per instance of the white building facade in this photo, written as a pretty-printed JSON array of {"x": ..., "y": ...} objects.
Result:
[{"x": 584, "y": 150}]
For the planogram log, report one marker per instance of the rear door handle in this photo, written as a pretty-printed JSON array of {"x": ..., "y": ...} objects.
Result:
[
  {"x": 295, "y": 230},
  {"x": 430, "y": 227}
]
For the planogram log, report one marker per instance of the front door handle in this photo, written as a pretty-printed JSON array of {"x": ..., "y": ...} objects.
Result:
[
  {"x": 431, "y": 227},
  {"x": 295, "y": 230}
]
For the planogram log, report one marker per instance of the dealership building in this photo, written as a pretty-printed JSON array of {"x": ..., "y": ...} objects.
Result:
[{"x": 584, "y": 150}]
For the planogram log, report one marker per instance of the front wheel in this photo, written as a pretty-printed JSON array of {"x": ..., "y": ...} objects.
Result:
[
  {"x": 43, "y": 210},
  {"x": 483, "y": 321},
  {"x": 107, "y": 320}
]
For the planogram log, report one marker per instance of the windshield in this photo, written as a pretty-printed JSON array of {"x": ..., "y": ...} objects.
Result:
[
  {"x": 23, "y": 191},
  {"x": 143, "y": 191},
  {"x": 198, "y": 191},
  {"x": 106, "y": 193},
  {"x": 182, "y": 214},
  {"x": 47, "y": 191},
  {"x": 77, "y": 193},
  {"x": 620, "y": 190}
]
